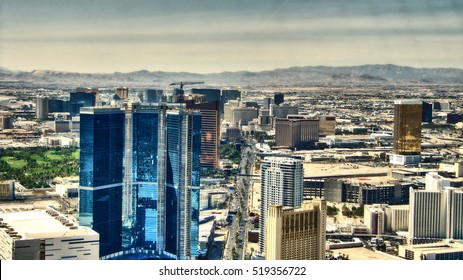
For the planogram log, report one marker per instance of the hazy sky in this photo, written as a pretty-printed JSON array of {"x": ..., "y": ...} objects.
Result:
[{"x": 207, "y": 36}]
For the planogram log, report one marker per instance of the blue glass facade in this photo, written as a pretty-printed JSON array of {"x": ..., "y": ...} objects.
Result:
[
  {"x": 141, "y": 223},
  {"x": 174, "y": 186},
  {"x": 101, "y": 153},
  {"x": 56, "y": 105},
  {"x": 81, "y": 99},
  {"x": 427, "y": 112},
  {"x": 154, "y": 174},
  {"x": 195, "y": 178},
  {"x": 182, "y": 184}
]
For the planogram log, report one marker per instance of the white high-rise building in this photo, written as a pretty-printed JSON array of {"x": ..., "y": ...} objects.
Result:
[
  {"x": 375, "y": 218},
  {"x": 436, "y": 213},
  {"x": 283, "y": 110},
  {"x": 281, "y": 184},
  {"x": 243, "y": 115},
  {"x": 427, "y": 214},
  {"x": 397, "y": 217},
  {"x": 435, "y": 182},
  {"x": 228, "y": 109},
  {"x": 381, "y": 218},
  {"x": 454, "y": 213}
]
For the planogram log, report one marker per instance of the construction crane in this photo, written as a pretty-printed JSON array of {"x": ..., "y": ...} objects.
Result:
[{"x": 185, "y": 83}]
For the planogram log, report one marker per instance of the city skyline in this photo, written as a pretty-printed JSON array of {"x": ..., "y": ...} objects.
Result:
[{"x": 216, "y": 36}]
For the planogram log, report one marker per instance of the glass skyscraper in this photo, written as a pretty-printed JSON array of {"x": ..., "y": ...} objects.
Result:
[
  {"x": 101, "y": 154},
  {"x": 143, "y": 183},
  {"x": 407, "y": 127},
  {"x": 408, "y": 116},
  {"x": 159, "y": 171},
  {"x": 82, "y": 97},
  {"x": 182, "y": 183},
  {"x": 210, "y": 132}
]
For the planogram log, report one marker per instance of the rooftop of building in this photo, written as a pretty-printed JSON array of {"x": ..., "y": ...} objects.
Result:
[
  {"x": 305, "y": 206},
  {"x": 101, "y": 109},
  {"x": 408, "y": 102},
  {"x": 205, "y": 230},
  {"x": 41, "y": 224},
  {"x": 373, "y": 181},
  {"x": 445, "y": 246},
  {"x": 66, "y": 180},
  {"x": 457, "y": 190},
  {"x": 365, "y": 254},
  {"x": 400, "y": 207},
  {"x": 343, "y": 169},
  {"x": 218, "y": 213},
  {"x": 287, "y": 160},
  {"x": 6, "y": 114}
]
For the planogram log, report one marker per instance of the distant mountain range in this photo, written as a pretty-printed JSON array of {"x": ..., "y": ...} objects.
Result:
[{"x": 294, "y": 76}]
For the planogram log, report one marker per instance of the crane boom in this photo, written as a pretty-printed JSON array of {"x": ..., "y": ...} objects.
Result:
[{"x": 181, "y": 84}]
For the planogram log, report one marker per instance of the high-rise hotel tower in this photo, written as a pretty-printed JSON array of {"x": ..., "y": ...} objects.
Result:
[
  {"x": 296, "y": 234},
  {"x": 156, "y": 175},
  {"x": 407, "y": 132},
  {"x": 281, "y": 184},
  {"x": 101, "y": 156}
]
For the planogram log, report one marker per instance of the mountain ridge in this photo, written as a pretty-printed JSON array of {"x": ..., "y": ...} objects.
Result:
[{"x": 291, "y": 76}]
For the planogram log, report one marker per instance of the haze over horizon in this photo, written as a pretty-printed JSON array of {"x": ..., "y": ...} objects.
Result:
[{"x": 216, "y": 36}]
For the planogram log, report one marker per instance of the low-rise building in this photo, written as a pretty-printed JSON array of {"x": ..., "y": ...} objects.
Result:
[
  {"x": 6, "y": 120},
  {"x": 380, "y": 218},
  {"x": 45, "y": 235},
  {"x": 232, "y": 134},
  {"x": 68, "y": 187},
  {"x": 62, "y": 126},
  {"x": 7, "y": 190},
  {"x": 445, "y": 250}
]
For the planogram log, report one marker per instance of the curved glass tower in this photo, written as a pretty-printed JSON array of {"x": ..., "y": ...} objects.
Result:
[{"x": 155, "y": 170}]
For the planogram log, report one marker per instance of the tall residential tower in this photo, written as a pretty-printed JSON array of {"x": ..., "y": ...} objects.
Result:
[{"x": 281, "y": 184}]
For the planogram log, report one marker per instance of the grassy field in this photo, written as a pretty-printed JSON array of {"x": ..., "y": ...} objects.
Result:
[
  {"x": 35, "y": 167},
  {"x": 76, "y": 154},
  {"x": 14, "y": 163},
  {"x": 40, "y": 160},
  {"x": 54, "y": 155}
]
